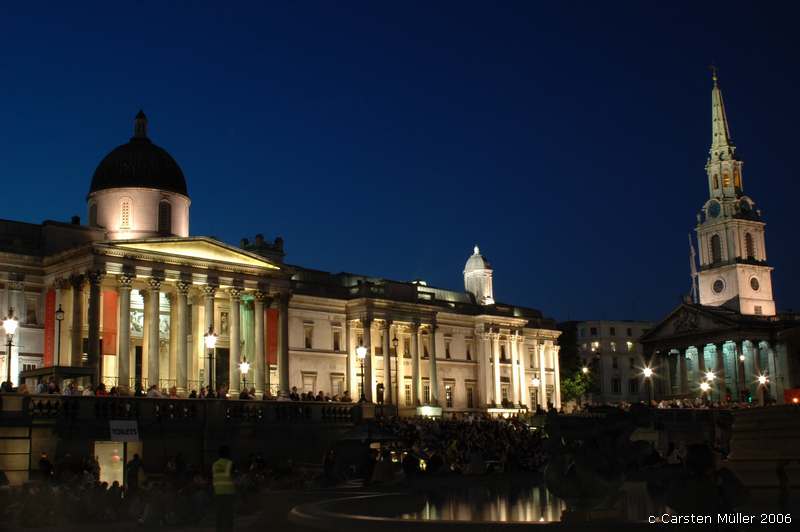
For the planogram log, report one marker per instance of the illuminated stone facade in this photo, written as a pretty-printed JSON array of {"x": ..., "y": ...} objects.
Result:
[{"x": 139, "y": 295}]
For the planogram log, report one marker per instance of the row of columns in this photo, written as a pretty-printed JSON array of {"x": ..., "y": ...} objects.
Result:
[
  {"x": 151, "y": 337},
  {"x": 745, "y": 374}
]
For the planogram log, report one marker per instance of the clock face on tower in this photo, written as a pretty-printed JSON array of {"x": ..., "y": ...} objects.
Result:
[
  {"x": 754, "y": 284},
  {"x": 719, "y": 286},
  {"x": 713, "y": 209}
]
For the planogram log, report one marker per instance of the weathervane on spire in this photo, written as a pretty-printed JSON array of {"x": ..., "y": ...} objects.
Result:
[{"x": 713, "y": 70}]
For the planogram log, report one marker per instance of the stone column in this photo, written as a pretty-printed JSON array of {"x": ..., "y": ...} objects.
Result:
[
  {"x": 701, "y": 361},
  {"x": 400, "y": 376},
  {"x": 352, "y": 359},
  {"x": 367, "y": 376},
  {"x": 415, "y": 380},
  {"x": 542, "y": 378},
  {"x": 234, "y": 378},
  {"x": 512, "y": 348},
  {"x": 498, "y": 396},
  {"x": 76, "y": 354},
  {"x": 209, "y": 291},
  {"x": 556, "y": 376},
  {"x": 125, "y": 283},
  {"x": 772, "y": 385},
  {"x": 484, "y": 369},
  {"x": 720, "y": 368},
  {"x": 525, "y": 395},
  {"x": 152, "y": 318},
  {"x": 684, "y": 373},
  {"x": 93, "y": 350},
  {"x": 434, "y": 374},
  {"x": 387, "y": 363},
  {"x": 181, "y": 331},
  {"x": 260, "y": 355},
  {"x": 283, "y": 344}
]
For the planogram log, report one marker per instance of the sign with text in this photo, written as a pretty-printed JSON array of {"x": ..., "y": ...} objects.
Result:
[{"x": 123, "y": 430}]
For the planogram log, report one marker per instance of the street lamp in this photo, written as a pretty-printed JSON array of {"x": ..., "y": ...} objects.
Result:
[
  {"x": 244, "y": 367},
  {"x": 648, "y": 374},
  {"x": 211, "y": 343},
  {"x": 361, "y": 352},
  {"x": 10, "y": 325},
  {"x": 704, "y": 388},
  {"x": 710, "y": 376},
  {"x": 59, "y": 319},
  {"x": 762, "y": 384},
  {"x": 536, "y": 382},
  {"x": 585, "y": 370}
]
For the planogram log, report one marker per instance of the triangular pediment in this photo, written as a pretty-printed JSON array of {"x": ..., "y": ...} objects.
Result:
[
  {"x": 689, "y": 319},
  {"x": 202, "y": 249}
]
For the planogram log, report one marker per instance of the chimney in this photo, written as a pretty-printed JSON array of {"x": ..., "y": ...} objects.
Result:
[{"x": 75, "y": 220}]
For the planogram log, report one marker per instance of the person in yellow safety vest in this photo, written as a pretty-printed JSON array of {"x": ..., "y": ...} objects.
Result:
[{"x": 224, "y": 490}]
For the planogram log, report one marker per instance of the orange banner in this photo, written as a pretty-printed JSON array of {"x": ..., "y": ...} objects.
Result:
[
  {"x": 272, "y": 335},
  {"x": 49, "y": 327},
  {"x": 109, "y": 343}
]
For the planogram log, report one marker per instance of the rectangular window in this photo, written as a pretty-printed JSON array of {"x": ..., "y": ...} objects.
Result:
[
  {"x": 533, "y": 358},
  {"x": 593, "y": 331},
  {"x": 595, "y": 346},
  {"x": 425, "y": 346},
  {"x": 470, "y": 396},
  {"x": 633, "y": 386},
  {"x": 337, "y": 340},
  {"x": 31, "y": 309},
  {"x": 614, "y": 347},
  {"x": 407, "y": 393},
  {"x": 583, "y": 332},
  {"x": 615, "y": 386},
  {"x": 407, "y": 347},
  {"x": 426, "y": 392},
  {"x": 757, "y": 310},
  {"x": 447, "y": 348},
  {"x": 630, "y": 345},
  {"x": 337, "y": 385},
  {"x": 502, "y": 352},
  {"x": 469, "y": 349},
  {"x": 613, "y": 331},
  {"x": 309, "y": 382},
  {"x": 632, "y": 363},
  {"x": 448, "y": 395},
  {"x": 504, "y": 392},
  {"x": 379, "y": 347},
  {"x": 308, "y": 331},
  {"x": 630, "y": 331},
  {"x": 614, "y": 363}
]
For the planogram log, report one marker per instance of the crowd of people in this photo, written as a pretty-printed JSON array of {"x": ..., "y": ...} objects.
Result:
[{"x": 467, "y": 446}]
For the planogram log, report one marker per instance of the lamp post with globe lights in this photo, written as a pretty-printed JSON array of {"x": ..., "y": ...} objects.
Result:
[
  {"x": 244, "y": 367},
  {"x": 710, "y": 378},
  {"x": 211, "y": 343},
  {"x": 648, "y": 379},
  {"x": 361, "y": 352},
  {"x": 59, "y": 318},
  {"x": 704, "y": 388},
  {"x": 395, "y": 343},
  {"x": 535, "y": 383},
  {"x": 10, "y": 325},
  {"x": 762, "y": 387}
]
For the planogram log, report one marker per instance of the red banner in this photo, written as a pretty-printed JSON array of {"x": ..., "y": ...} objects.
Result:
[
  {"x": 49, "y": 327},
  {"x": 272, "y": 335},
  {"x": 109, "y": 344}
]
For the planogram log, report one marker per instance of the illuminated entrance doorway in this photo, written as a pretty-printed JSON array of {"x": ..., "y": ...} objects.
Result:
[
  {"x": 112, "y": 457},
  {"x": 221, "y": 377}
]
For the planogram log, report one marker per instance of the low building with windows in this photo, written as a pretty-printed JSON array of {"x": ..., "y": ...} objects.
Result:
[
  {"x": 611, "y": 353},
  {"x": 132, "y": 298}
]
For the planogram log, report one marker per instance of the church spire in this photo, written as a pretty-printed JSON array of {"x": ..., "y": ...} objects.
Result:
[{"x": 722, "y": 146}]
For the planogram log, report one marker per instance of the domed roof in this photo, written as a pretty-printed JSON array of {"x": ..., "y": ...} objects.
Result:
[
  {"x": 139, "y": 164},
  {"x": 476, "y": 261}
]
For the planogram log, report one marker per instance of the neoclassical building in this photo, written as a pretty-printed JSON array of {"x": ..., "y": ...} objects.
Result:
[
  {"x": 130, "y": 298},
  {"x": 727, "y": 336}
]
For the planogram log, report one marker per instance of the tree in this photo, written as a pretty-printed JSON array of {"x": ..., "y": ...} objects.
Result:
[{"x": 575, "y": 386}]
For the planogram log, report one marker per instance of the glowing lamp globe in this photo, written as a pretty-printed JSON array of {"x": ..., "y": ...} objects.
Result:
[
  {"x": 647, "y": 372},
  {"x": 361, "y": 352},
  {"x": 762, "y": 379},
  {"x": 535, "y": 382},
  {"x": 244, "y": 366},
  {"x": 10, "y": 322},
  {"x": 210, "y": 339},
  {"x": 704, "y": 386},
  {"x": 585, "y": 370},
  {"x": 709, "y": 376}
]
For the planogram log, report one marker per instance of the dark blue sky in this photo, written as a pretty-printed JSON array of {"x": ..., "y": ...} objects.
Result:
[{"x": 567, "y": 139}]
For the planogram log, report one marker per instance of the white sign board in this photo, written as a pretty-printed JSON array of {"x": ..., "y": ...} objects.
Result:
[{"x": 123, "y": 430}]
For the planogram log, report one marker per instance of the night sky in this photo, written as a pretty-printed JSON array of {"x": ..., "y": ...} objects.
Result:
[{"x": 567, "y": 139}]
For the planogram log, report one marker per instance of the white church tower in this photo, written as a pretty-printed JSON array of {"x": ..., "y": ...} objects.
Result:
[
  {"x": 478, "y": 278},
  {"x": 730, "y": 233}
]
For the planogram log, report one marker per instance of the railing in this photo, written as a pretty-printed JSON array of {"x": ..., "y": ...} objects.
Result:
[{"x": 76, "y": 408}]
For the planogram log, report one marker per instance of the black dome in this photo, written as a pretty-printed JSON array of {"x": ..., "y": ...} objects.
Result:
[{"x": 139, "y": 164}]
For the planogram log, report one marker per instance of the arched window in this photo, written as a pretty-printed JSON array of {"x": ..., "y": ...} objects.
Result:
[
  {"x": 165, "y": 218},
  {"x": 716, "y": 181},
  {"x": 93, "y": 215},
  {"x": 716, "y": 249},
  {"x": 125, "y": 213},
  {"x": 749, "y": 246},
  {"x": 726, "y": 180}
]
